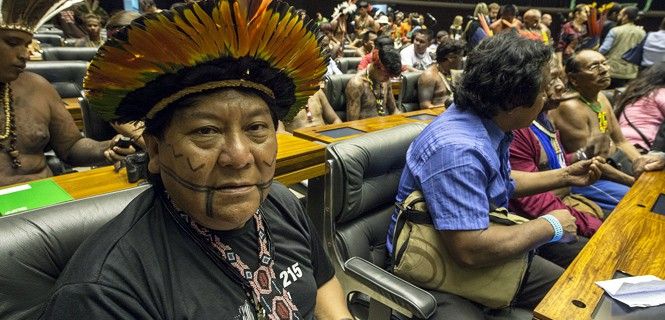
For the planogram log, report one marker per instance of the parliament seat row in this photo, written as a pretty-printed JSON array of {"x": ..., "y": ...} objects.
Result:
[{"x": 335, "y": 86}]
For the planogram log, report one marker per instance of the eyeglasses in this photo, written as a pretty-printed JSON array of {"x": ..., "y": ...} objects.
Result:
[{"x": 595, "y": 67}]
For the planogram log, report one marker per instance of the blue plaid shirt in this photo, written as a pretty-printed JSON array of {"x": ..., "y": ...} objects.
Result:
[{"x": 460, "y": 162}]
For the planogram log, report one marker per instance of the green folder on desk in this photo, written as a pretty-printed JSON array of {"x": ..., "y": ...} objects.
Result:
[{"x": 31, "y": 196}]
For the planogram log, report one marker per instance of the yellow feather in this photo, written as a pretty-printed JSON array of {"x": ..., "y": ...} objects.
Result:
[{"x": 241, "y": 28}]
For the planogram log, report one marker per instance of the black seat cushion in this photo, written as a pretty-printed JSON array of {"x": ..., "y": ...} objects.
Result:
[
  {"x": 335, "y": 87},
  {"x": 371, "y": 166},
  {"x": 408, "y": 96},
  {"x": 36, "y": 246},
  {"x": 65, "y": 76},
  {"x": 68, "y": 53},
  {"x": 48, "y": 39}
]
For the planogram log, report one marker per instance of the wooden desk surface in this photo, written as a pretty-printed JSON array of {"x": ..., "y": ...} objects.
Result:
[
  {"x": 630, "y": 240},
  {"x": 297, "y": 160},
  {"x": 365, "y": 125},
  {"x": 74, "y": 108}
]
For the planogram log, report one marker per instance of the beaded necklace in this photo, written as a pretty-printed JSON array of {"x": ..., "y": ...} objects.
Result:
[
  {"x": 269, "y": 299},
  {"x": 597, "y": 108},
  {"x": 9, "y": 131},
  {"x": 379, "y": 98}
]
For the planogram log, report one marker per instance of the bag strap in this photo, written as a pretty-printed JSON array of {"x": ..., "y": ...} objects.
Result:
[{"x": 644, "y": 138}]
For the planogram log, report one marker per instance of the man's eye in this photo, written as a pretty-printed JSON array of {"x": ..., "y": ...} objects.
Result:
[
  {"x": 206, "y": 131},
  {"x": 257, "y": 127}
]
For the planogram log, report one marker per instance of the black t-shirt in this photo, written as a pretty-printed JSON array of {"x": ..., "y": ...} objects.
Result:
[{"x": 141, "y": 265}]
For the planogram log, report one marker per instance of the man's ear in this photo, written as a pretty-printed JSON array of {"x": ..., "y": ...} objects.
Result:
[{"x": 152, "y": 148}]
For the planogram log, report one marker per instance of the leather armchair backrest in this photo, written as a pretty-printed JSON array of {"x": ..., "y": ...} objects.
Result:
[
  {"x": 335, "y": 87},
  {"x": 48, "y": 39},
  {"x": 50, "y": 30},
  {"x": 65, "y": 76},
  {"x": 68, "y": 53},
  {"x": 94, "y": 127},
  {"x": 365, "y": 174},
  {"x": 348, "y": 65},
  {"x": 35, "y": 246},
  {"x": 408, "y": 96}
]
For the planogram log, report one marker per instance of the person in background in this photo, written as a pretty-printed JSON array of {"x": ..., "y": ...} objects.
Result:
[
  {"x": 619, "y": 40},
  {"x": 34, "y": 116},
  {"x": 533, "y": 29},
  {"x": 508, "y": 20},
  {"x": 572, "y": 32},
  {"x": 547, "y": 20},
  {"x": 379, "y": 43},
  {"x": 591, "y": 114},
  {"x": 148, "y": 6},
  {"x": 435, "y": 85},
  {"x": 460, "y": 164},
  {"x": 214, "y": 226},
  {"x": 414, "y": 56},
  {"x": 493, "y": 11},
  {"x": 538, "y": 148},
  {"x": 317, "y": 112},
  {"x": 66, "y": 21},
  {"x": 368, "y": 93},
  {"x": 364, "y": 22},
  {"x": 456, "y": 29},
  {"x": 474, "y": 33},
  {"x": 641, "y": 109},
  {"x": 654, "y": 47},
  {"x": 612, "y": 18},
  {"x": 93, "y": 37},
  {"x": 91, "y": 7},
  {"x": 320, "y": 19}
]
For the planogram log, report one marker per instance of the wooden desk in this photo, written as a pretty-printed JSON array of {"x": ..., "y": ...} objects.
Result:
[
  {"x": 365, "y": 125},
  {"x": 630, "y": 240},
  {"x": 297, "y": 160},
  {"x": 74, "y": 108},
  {"x": 93, "y": 182}
]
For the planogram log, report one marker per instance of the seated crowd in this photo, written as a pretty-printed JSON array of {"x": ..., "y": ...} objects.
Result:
[{"x": 526, "y": 124}]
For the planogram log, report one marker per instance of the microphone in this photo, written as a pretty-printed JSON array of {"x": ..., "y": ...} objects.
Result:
[{"x": 431, "y": 18}]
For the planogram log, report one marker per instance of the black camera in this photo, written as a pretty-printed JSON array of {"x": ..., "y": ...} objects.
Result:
[{"x": 137, "y": 166}]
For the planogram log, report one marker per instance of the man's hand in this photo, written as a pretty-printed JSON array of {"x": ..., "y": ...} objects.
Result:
[
  {"x": 116, "y": 153},
  {"x": 568, "y": 223},
  {"x": 584, "y": 173},
  {"x": 598, "y": 146},
  {"x": 649, "y": 162}
]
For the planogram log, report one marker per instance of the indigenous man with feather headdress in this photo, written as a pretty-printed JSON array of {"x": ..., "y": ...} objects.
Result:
[{"x": 214, "y": 237}]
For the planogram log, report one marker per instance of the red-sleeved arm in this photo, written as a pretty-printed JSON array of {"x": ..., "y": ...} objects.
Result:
[{"x": 524, "y": 156}]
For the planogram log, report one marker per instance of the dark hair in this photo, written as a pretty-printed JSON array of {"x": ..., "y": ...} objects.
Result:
[
  {"x": 631, "y": 13},
  {"x": 648, "y": 81},
  {"x": 423, "y": 31},
  {"x": 509, "y": 9},
  {"x": 614, "y": 9},
  {"x": 157, "y": 126},
  {"x": 383, "y": 41},
  {"x": 366, "y": 35},
  {"x": 391, "y": 60},
  {"x": 502, "y": 73},
  {"x": 447, "y": 47},
  {"x": 572, "y": 65},
  {"x": 662, "y": 24}
]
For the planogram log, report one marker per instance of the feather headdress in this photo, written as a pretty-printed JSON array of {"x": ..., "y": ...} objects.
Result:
[
  {"x": 343, "y": 8},
  {"x": 29, "y": 15},
  {"x": 261, "y": 45}
]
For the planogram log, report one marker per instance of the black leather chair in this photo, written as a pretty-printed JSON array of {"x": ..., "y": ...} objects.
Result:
[
  {"x": 48, "y": 39},
  {"x": 68, "y": 53},
  {"x": 348, "y": 53},
  {"x": 335, "y": 86},
  {"x": 65, "y": 76},
  {"x": 44, "y": 29},
  {"x": 408, "y": 95},
  {"x": 348, "y": 65},
  {"x": 36, "y": 246},
  {"x": 359, "y": 197},
  {"x": 94, "y": 127}
]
